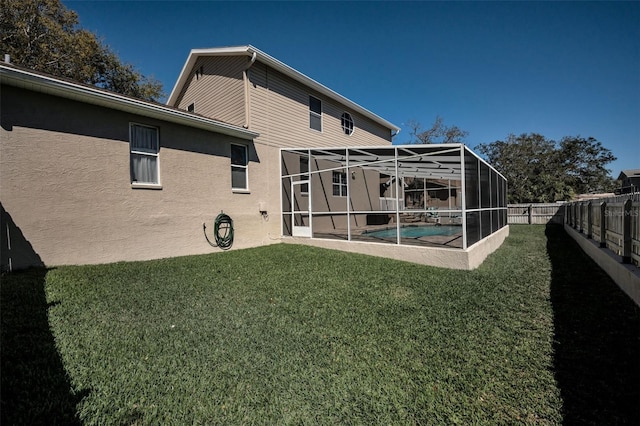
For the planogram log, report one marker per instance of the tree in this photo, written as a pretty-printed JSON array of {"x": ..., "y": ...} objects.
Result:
[
  {"x": 583, "y": 161},
  {"x": 437, "y": 133},
  {"x": 43, "y": 35},
  {"x": 540, "y": 170}
]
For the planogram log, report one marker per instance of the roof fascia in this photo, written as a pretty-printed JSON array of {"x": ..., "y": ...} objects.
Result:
[
  {"x": 78, "y": 92},
  {"x": 194, "y": 54},
  {"x": 279, "y": 66}
]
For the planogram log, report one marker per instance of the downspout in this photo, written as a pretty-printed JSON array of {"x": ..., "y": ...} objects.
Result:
[{"x": 247, "y": 106}]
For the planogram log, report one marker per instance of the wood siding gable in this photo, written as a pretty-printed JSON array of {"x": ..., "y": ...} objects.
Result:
[
  {"x": 216, "y": 88},
  {"x": 279, "y": 111}
]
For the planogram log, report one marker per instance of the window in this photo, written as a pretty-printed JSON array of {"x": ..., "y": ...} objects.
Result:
[
  {"x": 304, "y": 174},
  {"x": 315, "y": 113},
  {"x": 144, "y": 148},
  {"x": 347, "y": 124},
  {"x": 339, "y": 184},
  {"x": 239, "y": 167}
]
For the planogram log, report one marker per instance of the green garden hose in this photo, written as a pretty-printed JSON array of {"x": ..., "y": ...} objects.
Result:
[{"x": 222, "y": 231}]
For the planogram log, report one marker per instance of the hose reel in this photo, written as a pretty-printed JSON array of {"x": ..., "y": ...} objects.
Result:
[{"x": 222, "y": 231}]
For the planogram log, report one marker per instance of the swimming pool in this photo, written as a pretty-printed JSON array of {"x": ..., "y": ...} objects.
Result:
[{"x": 416, "y": 231}]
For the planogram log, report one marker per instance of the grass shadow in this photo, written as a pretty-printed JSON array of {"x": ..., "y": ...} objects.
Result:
[
  {"x": 35, "y": 388},
  {"x": 596, "y": 338}
]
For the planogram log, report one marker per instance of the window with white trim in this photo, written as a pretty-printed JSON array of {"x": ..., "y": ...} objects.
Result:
[
  {"x": 144, "y": 144},
  {"x": 239, "y": 167},
  {"x": 339, "y": 184},
  {"x": 315, "y": 113},
  {"x": 347, "y": 124}
]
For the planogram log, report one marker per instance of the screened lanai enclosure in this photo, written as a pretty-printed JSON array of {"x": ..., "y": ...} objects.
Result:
[{"x": 426, "y": 195}]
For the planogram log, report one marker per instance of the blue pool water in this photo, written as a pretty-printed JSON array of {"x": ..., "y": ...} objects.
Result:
[{"x": 416, "y": 231}]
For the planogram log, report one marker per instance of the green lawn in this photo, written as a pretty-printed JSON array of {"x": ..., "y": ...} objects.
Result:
[{"x": 292, "y": 334}]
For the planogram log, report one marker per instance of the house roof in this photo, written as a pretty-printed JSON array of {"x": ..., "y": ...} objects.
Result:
[
  {"x": 629, "y": 173},
  {"x": 250, "y": 51},
  {"x": 48, "y": 84}
]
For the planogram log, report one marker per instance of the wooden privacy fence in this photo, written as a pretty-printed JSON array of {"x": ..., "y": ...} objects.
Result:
[
  {"x": 539, "y": 213},
  {"x": 613, "y": 222}
]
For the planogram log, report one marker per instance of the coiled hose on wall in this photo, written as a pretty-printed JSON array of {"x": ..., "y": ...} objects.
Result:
[{"x": 222, "y": 231}]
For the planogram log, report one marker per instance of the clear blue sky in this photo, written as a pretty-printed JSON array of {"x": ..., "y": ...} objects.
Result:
[{"x": 491, "y": 68}]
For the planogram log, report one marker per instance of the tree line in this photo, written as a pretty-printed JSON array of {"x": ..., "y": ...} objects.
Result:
[
  {"x": 541, "y": 170},
  {"x": 538, "y": 169}
]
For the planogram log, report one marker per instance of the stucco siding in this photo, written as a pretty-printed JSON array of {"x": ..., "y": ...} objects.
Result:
[
  {"x": 65, "y": 186},
  {"x": 219, "y": 91},
  {"x": 279, "y": 111}
]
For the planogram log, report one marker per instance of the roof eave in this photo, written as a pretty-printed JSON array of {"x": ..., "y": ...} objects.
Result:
[
  {"x": 52, "y": 86},
  {"x": 194, "y": 54}
]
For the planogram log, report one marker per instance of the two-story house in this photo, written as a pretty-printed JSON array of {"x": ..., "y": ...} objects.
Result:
[
  {"x": 246, "y": 87},
  {"x": 327, "y": 167},
  {"x": 630, "y": 181},
  {"x": 89, "y": 176}
]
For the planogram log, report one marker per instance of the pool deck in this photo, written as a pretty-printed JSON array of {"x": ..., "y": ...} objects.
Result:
[{"x": 360, "y": 234}]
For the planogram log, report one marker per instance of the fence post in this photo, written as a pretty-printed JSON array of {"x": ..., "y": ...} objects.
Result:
[
  {"x": 589, "y": 221},
  {"x": 580, "y": 225},
  {"x": 529, "y": 211},
  {"x": 626, "y": 232},
  {"x": 603, "y": 224}
]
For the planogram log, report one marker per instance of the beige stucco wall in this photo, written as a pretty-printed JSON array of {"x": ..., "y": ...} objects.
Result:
[
  {"x": 483, "y": 248},
  {"x": 65, "y": 186}
]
